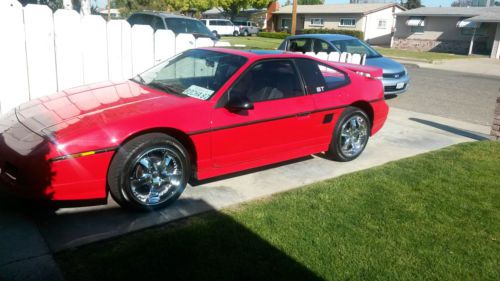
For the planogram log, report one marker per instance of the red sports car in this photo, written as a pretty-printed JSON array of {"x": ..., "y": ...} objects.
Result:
[{"x": 201, "y": 114}]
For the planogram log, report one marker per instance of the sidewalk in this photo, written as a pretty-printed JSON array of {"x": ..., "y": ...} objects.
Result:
[
  {"x": 479, "y": 66},
  {"x": 28, "y": 239}
]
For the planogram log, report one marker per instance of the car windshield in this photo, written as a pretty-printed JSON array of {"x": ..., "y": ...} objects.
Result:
[
  {"x": 196, "y": 73},
  {"x": 355, "y": 46},
  {"x": 180, "y": 25}
]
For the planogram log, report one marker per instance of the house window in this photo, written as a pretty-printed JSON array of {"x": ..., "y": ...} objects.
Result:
[
  {"x": 382, "y": 24},
  {"x": 286, "y": 23},
  {"x": 417, "y": 29},
  {"x": 348, "y": 22},
  {"x": 317, "y": 22}
]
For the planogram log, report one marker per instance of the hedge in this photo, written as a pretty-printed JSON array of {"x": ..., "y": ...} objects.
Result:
[
  {"x": 283, "y": 35},
  {"x": 355, "y": 33},
  {"x": 276, "y": 35}
]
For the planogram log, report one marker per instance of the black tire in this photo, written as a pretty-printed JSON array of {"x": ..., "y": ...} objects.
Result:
[
  {"x": 216, "y": 34},
  {"x": 236, "y": 33},
  {"x": 126, "y": 162},
  {"x": 245, "y": 33},
  {"x": 337, "y": 151}
]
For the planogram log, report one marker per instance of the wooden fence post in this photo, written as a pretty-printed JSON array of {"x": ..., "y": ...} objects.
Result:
[{"x": 495, "y": 128}]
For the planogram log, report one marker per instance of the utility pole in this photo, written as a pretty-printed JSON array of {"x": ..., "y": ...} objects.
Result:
[
  {"x": 294, "y": 17},
  {"x": 109, "y": 10}
]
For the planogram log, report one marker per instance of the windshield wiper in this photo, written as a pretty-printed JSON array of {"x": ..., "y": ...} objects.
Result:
[
  {"x": 141, "y": 80},
  {"x": 197, "y": 35},
  {"x": 164, "y": 88}
]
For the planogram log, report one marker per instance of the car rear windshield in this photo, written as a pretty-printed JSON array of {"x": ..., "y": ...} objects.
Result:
[
  {"x": 355, "y": 46},
  {"x": 196, "y": 73},
  {"x": 180, "y": 25}
]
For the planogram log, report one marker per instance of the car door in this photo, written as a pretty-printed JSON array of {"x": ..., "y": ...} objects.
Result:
[
  {"x": 277, "y": 126},
  {"x": 326, "y": 86},
  {"x": 228, "y": 27},
  {"x": 254, "y": 28}
]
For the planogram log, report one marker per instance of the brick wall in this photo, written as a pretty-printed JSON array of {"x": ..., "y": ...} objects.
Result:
[
  {"x": 495, "y": 128},
  {"x": 449, "y": 46}
]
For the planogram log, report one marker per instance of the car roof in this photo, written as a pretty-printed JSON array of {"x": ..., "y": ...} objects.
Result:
[
  {"x": 257, "y": 54},
  {"x": 163, "y": 15},
  {"x": 327, "y": 37}
]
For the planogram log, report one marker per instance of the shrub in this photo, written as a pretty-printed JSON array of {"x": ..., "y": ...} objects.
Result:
[
  {"x": 355, "y": 33},
  {"x": 276, "y": 35}
]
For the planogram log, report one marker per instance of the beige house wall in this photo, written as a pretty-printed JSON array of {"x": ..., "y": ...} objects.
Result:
[
  {"x": 442, "y": 34},
  {"x": 332, "y": 21},
  {"x": 376, "y": 35}
]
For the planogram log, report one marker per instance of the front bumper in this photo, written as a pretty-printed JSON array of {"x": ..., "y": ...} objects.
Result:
[{"x": 391, "y": 85}]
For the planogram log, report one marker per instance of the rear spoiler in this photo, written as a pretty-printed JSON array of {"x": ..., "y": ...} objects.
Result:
[{"x": 363, "y": 70}]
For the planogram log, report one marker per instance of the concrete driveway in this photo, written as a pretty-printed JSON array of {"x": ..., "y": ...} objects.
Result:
[{"x": 28, "y": 237}]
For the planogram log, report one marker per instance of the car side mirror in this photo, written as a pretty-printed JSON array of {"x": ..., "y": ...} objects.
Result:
[{"x": 237, "y": 103}]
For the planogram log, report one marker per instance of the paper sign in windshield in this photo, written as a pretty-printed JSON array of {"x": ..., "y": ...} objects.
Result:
[{"x": 198, "y": 92}]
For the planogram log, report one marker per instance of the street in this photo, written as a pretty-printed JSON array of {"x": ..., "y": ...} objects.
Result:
[{"x": 456, "y": 95}]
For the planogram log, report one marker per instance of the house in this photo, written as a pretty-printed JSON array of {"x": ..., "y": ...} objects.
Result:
[
  {"x": 375, "y": 20},
  {"x": 256, "y": 15},
  {"x": 461, "y": 30}
]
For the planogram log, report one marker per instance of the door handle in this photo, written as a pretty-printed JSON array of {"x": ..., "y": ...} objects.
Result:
[{"x": 304, "y": 114}]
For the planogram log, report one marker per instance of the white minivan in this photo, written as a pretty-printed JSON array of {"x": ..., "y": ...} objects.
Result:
[{"x": 221, "y": 27}]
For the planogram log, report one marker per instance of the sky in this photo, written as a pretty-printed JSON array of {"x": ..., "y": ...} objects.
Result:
[{"x": 428, "y": 3}]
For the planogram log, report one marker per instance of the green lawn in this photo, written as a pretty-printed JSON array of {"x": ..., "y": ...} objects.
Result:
[
  {"x": 431, "y": 217},
  {"x": 253, "y": 42},
  {"x": 427, "y": 56}
]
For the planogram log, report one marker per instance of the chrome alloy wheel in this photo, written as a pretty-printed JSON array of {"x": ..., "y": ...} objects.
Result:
[
  {"x": 353, "y": 136},
  {"x": 156, "y": 176}
]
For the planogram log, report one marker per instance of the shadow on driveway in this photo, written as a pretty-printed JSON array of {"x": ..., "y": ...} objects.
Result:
[
  {"x": 212, "y": 246},
  {"x": 453, "y": 130}
]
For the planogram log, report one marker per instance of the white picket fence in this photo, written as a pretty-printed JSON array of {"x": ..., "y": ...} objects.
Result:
[
  {"x": 339, "y": 57},
  {"x": 43, "y": 52}
]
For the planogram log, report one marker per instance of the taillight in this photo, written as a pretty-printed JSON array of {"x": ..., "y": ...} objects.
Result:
[{"x": 368, "y": 75}]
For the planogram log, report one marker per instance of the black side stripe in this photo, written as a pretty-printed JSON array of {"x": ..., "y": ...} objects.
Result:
[{"x": 273, "y": 119}]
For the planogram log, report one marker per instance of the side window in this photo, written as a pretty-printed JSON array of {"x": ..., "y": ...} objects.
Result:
[
  {"x": 136, "y": 19},
  {"x": 320, "y": 77},
  {"x": 212, "y": 22},
  {"x": 322, "y": 46},
  {"x": 147, "y": 20},
  {"x": 269, "y": 80},
  {"x": 300, "y": 45},
  {"x": 157, "y": 23}
]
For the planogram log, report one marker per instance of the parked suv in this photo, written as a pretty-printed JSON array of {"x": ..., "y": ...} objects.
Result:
[
  {"x": 247, "y": 28},
  {"x": 221, "y": 27},
  {"x": 178, "y": 24}
]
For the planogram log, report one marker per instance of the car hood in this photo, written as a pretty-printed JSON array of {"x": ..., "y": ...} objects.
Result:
[
  {"x": 387, "y": 64},
  {"x": 99, "y": 103}
]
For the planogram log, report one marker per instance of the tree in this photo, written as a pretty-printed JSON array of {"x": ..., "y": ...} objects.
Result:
[
  {"x": 233, "y": 7},
  {"x": 310, "y": 2},
  {"x": 129, "y": 6},
  {"x": 412, "y": 4}
]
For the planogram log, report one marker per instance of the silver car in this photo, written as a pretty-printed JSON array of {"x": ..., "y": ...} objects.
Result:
[{"x": 395, "y": 75}]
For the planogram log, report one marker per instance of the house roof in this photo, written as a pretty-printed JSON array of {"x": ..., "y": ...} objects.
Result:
[
  {"x": 482, "y": 14},
  {"x": 336, "y": 8}
]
